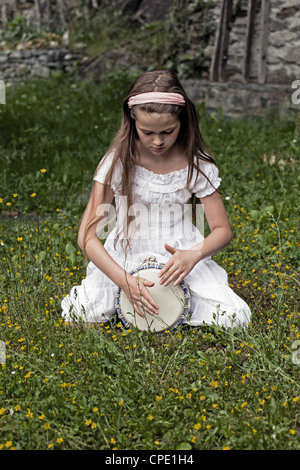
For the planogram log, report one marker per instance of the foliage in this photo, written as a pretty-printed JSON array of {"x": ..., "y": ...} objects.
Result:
[
  {"x": 177, "y": 40},
  {"x": 110, "y": 388}
]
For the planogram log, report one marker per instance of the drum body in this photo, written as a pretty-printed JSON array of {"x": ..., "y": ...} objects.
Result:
[{"x": 173, "y": 301}]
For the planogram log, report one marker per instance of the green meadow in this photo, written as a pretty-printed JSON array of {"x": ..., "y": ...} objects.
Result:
[{"x": 110, "y": 388}]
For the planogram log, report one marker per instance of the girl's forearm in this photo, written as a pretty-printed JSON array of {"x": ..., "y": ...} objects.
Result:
[
  {"x": 96, "y": 253},
  {"x": 214, "y": 242},
  {"x": 128, "y": 283}
]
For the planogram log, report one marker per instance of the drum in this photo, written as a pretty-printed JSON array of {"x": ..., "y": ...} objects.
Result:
[{"x": 173, "y": 301}]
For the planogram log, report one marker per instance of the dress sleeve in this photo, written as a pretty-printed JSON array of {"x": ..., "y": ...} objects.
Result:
[
  {"x": 103, "y": 169},
  {"x": 203, "y": 187}
]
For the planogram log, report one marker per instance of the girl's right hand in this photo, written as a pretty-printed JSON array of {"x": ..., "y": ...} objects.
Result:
[{"x": 138, "y": 295}]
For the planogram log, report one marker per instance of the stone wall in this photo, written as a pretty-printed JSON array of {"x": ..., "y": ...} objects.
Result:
[
  {"x": 18, "y": 65},
  {"x": 283, "y": 57},
  {"x": 239, "y": 98},
  {"x": 244, "y": 100},
  {"x": 282, "y": 41}
]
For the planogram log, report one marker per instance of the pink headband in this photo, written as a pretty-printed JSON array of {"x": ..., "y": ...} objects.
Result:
[{"x": 157, "y": 97}]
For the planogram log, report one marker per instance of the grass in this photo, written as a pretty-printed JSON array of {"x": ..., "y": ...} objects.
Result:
[{"x": 110, "y": 388}]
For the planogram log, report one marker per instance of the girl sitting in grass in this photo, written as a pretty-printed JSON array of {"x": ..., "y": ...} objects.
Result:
[{"x": 157, "y": 160}]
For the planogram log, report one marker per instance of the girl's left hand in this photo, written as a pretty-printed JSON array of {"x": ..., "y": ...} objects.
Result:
[{"x": 178, "y": 266}]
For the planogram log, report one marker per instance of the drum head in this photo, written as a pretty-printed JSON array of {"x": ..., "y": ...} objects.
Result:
[{"x": 173, "y": 304}]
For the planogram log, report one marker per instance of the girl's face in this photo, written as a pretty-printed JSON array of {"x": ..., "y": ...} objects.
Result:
[{"x": 157, "y": 132}]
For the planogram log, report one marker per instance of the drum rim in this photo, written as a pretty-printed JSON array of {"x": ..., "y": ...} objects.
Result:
[{"x": 154, "y": 265}]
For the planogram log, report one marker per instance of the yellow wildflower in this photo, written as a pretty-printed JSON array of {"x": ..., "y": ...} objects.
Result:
[{"x": 29, "y": 413}]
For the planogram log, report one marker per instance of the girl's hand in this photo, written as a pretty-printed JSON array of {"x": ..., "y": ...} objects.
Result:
[
  {"x": 139, "y": 296},
  {"x": 178, "y": 266}
]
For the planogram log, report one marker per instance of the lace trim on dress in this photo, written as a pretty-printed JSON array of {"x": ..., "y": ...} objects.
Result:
[{"x": 161, "y": 183}]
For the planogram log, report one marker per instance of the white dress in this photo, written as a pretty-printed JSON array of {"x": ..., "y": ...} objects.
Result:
[{"x": 212, "y": 300}]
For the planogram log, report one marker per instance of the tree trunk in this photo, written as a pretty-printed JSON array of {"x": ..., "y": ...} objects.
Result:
[
  {"x": 48, "y": 13},
  {"x": 60, "y": 5},
  {"x": 38, "y": 13}
]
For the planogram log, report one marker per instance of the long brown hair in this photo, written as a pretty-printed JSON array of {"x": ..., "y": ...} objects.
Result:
[{"x": 124, "y": 144}]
